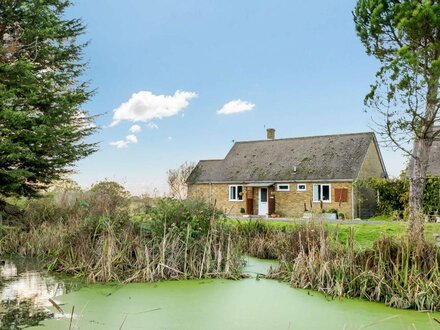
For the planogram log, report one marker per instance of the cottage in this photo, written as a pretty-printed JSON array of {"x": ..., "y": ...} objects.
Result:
[{"x": 292, "y": 176}]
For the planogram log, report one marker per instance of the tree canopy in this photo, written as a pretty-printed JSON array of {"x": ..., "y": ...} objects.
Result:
[
  {"x": 404, "y": 35},
  {"x": 42, "y": 125}
]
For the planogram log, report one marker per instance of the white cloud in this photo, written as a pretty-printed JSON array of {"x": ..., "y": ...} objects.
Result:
[
  {"x": 131, "y": 138},
  {"x": 235, "y": 106},
  {"x": 152, "y": 126},
  {"x": 145, "y": 106},
  {"x": 170, "y": 138},
  {"x": 119, "y": 144},
  {"x": 135, "y": 129}
]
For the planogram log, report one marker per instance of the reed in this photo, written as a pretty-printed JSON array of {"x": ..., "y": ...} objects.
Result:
[
  {"x": 175, "y": 240},
  {"x": 393, "y": 271}
]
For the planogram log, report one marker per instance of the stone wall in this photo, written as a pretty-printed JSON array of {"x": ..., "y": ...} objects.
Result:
[
  {"x": 365, "y": 198},
  {"x": 291, "y": 203},
  {"x": 217, "y": 193},
  {"x": 287, "y": 203}
]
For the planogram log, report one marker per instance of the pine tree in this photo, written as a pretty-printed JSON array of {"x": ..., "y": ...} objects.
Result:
[
  {"x": 42, "y": 125},
  {"x": 404, "y": 35}
]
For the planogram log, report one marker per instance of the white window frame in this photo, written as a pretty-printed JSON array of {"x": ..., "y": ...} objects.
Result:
[
  {"x": 283, "y": 184},
  {"x": 237, "y": 197},
  {"x": 301, "y": 184},
  {"x": 317, "y": 200}
]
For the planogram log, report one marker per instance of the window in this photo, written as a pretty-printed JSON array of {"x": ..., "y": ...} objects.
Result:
[
  {"x": 301, "y": 187},
  {"x": 235, "y": 193},
  {"x": 263, "y": 195},
  {"x": 322, "y": 192},
  {"x": 283, "y": 187}
]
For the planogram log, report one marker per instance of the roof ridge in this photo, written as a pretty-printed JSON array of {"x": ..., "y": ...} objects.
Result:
[
  {"x": 210, "y": 160},
  {"x": 307, "y": 137}
]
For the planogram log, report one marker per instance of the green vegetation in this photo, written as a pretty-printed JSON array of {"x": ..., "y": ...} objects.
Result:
[
  {"x": 364, "y": 234},
  {"x": 401, "y": 274},
  {"x": 393, "y": 196},
  {"x": 42, "y": 126},
  {"x": 350, "y": 261},
  {"x": 21, "y": 314},
  {"x": 403, "y": 36},
  {"x": 105, "y": 235},
  {"x": 93, "y": 235}
]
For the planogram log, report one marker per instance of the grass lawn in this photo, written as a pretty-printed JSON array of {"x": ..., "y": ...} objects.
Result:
[{"x": 366, "y": 233}]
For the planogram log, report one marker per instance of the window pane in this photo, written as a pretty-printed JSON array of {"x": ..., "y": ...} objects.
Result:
[
  {"x": 325, "y": 192},
  {"x": 264, "y": 195},
  {"x": 232, "y": 192},
  {"x": 239, "y": 191},
  {"x": 316, "y": 192}
]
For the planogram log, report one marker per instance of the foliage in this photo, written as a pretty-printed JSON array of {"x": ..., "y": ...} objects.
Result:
[
  {"x": 364, "y": 234},
  {"x": 400, "y": 274},
  {"x": 42, "y": 127},
  {"x": 172, "y": 240},
  {"x": 106, "y": 196},
  {"x": 393, "y": 195},
  {"x": 403, "y": 36},
  {"x": 21, "y": 314},
  {"x": 191, "y": 218},
  {"x": 177, "y": 180}
]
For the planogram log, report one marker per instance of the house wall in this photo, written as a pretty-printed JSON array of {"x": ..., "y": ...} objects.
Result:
[
  {"x": 217, "y": 193},
  {"x": 291, "y": 203},
  {"x": 371, "y": 166},
  {"x": 365, "y": 198},
  {"x": 287, "y": 203}
]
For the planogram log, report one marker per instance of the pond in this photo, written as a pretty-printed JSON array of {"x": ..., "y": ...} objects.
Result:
[{"x": 251, "y": 303}]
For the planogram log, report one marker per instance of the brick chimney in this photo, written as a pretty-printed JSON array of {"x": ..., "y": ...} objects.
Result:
[{"x": 271, "y": 133}]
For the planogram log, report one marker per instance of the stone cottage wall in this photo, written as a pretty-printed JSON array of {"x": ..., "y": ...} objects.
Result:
[
  {"x": 218, "y": 193},
  {"x": 287, "y": 203}
]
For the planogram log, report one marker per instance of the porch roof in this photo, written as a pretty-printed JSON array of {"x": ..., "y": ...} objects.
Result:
[{"x": 260, "y": 184}]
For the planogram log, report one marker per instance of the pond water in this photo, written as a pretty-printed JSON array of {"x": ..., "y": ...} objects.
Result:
[{"x": 250, "y": 303}]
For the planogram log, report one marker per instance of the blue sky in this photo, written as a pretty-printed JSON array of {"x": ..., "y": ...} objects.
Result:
[{"x": 297, "y": 66}]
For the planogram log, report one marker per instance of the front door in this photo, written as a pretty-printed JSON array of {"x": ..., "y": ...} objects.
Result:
[{"x": 262, "y": 202}]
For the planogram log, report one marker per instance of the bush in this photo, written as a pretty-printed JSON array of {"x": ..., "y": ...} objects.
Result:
[
  {"x": 393, "y": 195},
  {"x": 180, "y": 216}
]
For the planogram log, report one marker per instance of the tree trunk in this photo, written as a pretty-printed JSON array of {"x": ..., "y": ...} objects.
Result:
[
  {"x": 421, "y": 152},
  {"x": 417, "y": 186}
]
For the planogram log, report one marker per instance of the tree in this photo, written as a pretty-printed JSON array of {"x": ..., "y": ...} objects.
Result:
[
  {"x": 106, "y": 197},
  {"x": 42, "y": 127},
  {"x": 177, "y": 180},
  {"x": 404, "y": 35}
]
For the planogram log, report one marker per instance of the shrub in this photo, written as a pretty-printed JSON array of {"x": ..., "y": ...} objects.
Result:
[{"x": 393, "y": 195}]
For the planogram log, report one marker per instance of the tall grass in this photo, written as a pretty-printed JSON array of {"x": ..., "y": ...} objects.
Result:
[
  {"x": 393, "y": 271},
  {"x": 96, "y": 236},
  {"x": 174, "y": 240}
]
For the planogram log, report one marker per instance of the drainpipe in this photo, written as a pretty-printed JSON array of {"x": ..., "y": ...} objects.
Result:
[{"x": 210, "y": 193}]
